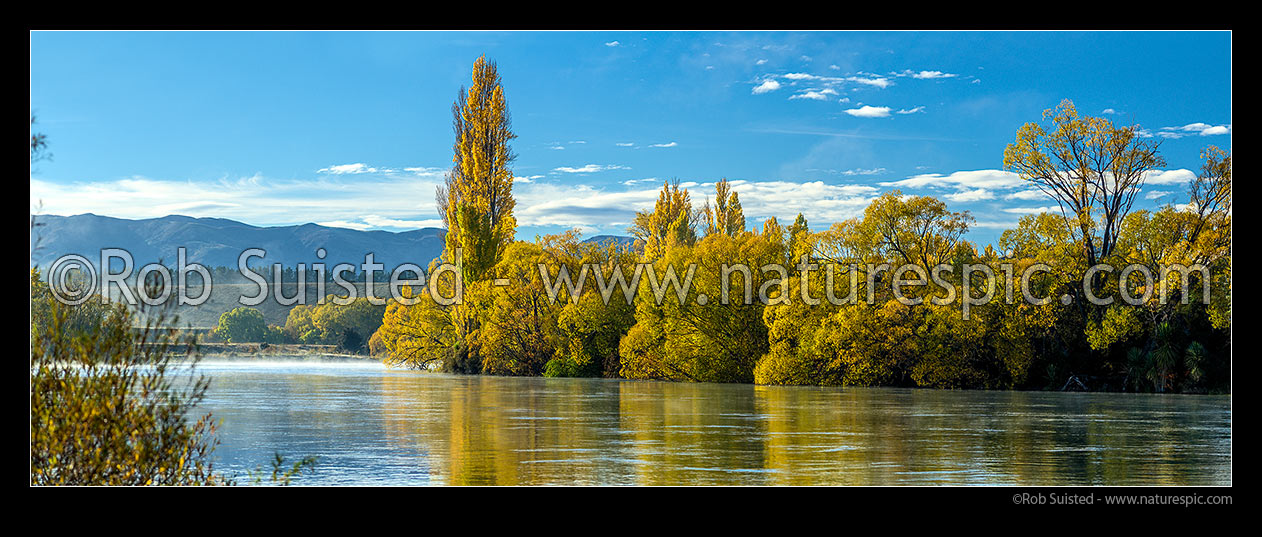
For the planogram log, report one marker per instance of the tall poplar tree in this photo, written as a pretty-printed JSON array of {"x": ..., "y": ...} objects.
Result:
[
  {"x": 476, "y": 202},
  {"x": 726, "y": 216}
]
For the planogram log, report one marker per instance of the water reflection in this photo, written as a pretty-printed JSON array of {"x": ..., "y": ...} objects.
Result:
[{"x": 371, "y": 425}]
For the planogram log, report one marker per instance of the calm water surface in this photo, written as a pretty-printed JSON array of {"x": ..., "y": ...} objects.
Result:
[{"x": 371, "y": 425}]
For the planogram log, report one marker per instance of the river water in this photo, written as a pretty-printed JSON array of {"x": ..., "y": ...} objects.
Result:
[{"x": 372, "y": 425}]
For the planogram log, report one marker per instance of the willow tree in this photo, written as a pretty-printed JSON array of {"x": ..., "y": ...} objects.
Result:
[
  {"x": 726, "y": 216},
  {"x": 1092, "y": 168},
  {"x": 918, "y": 229},
  {"x": 672, "y": 222},
  {"x": 476, "y": 203}
]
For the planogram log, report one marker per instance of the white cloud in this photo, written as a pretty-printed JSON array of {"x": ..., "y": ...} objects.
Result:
[
  {"x": 342, "y": 169},
  {"x": 875, "y": 81},
  {"x": 1169, "y": 177},
  {"x": 255, "y": 200},
  {"x": 612, "y": 44},
  {"x": 810, "y": 94},
  {"x": 1109, "y": 111},
  {"x": 608, "y": 210},
  {"x": 823, "y": 203},
  {"x": 1191, "y": 129},
  {"x": 1156, "y": 194},
  {"x": 380, "y": 222},
  {"x": 384, "y": 222},
  {"x": 870, "y": 111},
  {"x": 767, "y": 86},
  {"x": 358, "y": 226},
  {"x": 590, "y": 168},
  {"x": 965, "y": 196},
  {"x": 961, "y": 179},
  {"x": 1026, "y": 195},
  {"x": 924, "y": 75},
  {"x": 990, "y": 224},
  {"x": 671, "y": 144},
  {"x": 430, "y": 172},
  {"x": 861, "y": 171},
  {"x": 979, "y": 185},
  {"x": 644, "y": 180},
  {"x": 760, "y": 62},
  {"x": 361, "y": 168},
  {"x": 1031, "y": 210},
  {"x": 579, "y": 205},
  {"x": 822, "y": 85},
  {"x": 915, "y": 110}
]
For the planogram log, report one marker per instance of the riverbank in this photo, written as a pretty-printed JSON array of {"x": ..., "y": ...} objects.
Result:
[
  {"x": 271, "y": 350},
  {"x": 246, "y": 351}
]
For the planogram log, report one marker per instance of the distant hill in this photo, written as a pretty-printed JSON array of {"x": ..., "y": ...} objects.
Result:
[
  {"x": 218, "y": 241},
  {"x": 626, "y": 242}
]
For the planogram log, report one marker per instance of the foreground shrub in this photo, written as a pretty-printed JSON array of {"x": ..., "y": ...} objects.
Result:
[{"x": 105, "y": 408}]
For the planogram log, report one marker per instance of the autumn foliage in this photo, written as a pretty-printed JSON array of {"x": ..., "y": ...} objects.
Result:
[{"x": 872, "y": 335}]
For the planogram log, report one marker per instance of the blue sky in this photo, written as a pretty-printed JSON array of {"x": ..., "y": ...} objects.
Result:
[{"x": 353, "y": 129}]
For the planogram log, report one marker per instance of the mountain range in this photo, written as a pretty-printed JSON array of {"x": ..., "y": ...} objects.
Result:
[{"x": 219, "y": 241}]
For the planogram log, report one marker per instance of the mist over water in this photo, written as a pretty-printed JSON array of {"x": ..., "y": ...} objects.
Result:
[{"x": 372, "y": 425}]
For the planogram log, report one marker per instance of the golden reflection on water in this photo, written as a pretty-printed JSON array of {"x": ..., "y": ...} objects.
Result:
[{"x": 512, "y": 431}]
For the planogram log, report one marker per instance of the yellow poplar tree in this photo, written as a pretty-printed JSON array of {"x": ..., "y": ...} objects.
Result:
[
  {"x": 726, "y": 216},
  {"x": 477, "y": 200},
  {"x": 672, "y": 222},
  {"x": 476, "y": 204}
]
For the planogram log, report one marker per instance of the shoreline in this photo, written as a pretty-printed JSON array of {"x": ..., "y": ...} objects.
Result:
[
  {"x": 268, "y": 350},
  {"x": 314, "y": 353}
]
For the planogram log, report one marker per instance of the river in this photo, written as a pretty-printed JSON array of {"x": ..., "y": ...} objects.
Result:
[{"x": 372, "y": 425}]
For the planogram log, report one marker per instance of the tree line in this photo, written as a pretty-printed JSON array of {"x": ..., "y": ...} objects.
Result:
[
  {"x": 348, "y": 323},
  {"x": 1090, "y": 167}
]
